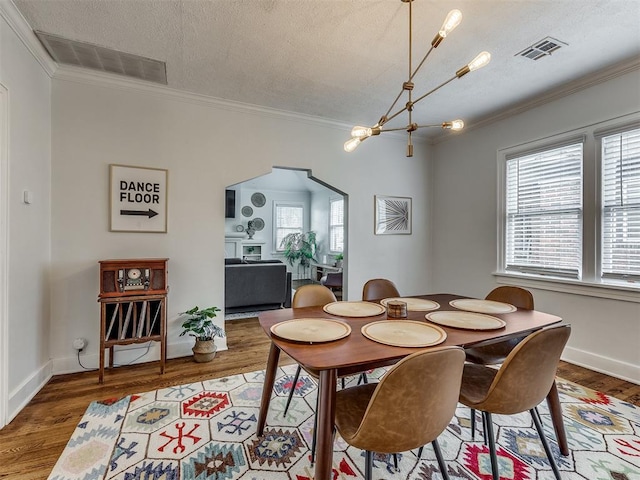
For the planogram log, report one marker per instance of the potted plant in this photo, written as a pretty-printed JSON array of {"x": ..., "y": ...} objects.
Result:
[
  {"x": 199, "y": 324},
  {"x": 300, "y": 247},
  {"x": 339, "y": 258}
]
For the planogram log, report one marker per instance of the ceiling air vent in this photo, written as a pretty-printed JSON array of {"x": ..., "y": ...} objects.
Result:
[
  {"x": 541, "y": 49},
  {"x": 87, "y": 55}
]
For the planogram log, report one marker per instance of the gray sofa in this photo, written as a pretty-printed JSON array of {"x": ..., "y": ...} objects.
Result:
[{"x": 253, "y": 285}]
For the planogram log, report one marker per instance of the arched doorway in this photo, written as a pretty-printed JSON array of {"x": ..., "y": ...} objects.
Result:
[{"x": 285, "y": 201}]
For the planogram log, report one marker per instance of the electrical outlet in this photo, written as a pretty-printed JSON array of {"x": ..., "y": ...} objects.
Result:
[{"x": 79, "y": 344}]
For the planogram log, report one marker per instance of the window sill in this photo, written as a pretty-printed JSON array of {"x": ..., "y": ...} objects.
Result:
[{"x": 626, "y": 293}]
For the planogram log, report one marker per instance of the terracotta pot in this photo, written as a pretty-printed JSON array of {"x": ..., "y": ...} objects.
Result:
[{"x": 204, "y": 351}]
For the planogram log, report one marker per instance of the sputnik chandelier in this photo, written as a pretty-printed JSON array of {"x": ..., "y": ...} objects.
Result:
[{"x": 359, "y": 133}]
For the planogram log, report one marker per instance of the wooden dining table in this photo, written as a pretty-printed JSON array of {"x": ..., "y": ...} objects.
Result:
[{"x": 356, "y": 353}]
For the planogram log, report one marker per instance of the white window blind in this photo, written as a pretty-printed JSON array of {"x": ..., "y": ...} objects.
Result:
[
  {"x": 289, "y": 219},
  {"x": 620, "y": 251},
  {"x": 336, "y": 225},
  {"x": 543, "y": 231}
]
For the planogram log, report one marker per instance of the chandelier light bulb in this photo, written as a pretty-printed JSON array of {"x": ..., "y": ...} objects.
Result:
[
  {"x": 482, "y": 59},
  {"x": 453, "y": 125},
  {"x": 361, "y": 132},
  {"x": 454, "y": 17},
  {"x": 351, "y": 144}
]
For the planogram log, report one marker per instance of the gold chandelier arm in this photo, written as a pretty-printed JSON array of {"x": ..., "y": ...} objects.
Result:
[
  {"x": 421, "y": 63},
  {"x": 434, "y": 90},
  {"x": 393, "y": 105}
]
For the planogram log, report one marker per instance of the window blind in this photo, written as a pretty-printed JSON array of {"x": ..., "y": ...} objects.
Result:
[
  {"x": 289, "y": 219},
  {"x": 620, "y": 251},
  {"x": 543, "y": 231},
  {"x": 336, "y": 225}
]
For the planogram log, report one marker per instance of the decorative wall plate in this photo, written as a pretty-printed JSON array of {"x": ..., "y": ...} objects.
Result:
[
  {"x": 258, "y": 223},
  {"x": 482, "y": 306},
  {"x": 354, "y": 309},
  {"x": 258, "y": 199},
  {"x": 239, "y": 228},
  {"x": 311, "y": 330},
  {"x": 404, "y": 333},
  {"x": 466, "y": 320},
  {"x": 247, "y": 211},
  {"x": 414, "y": 304}
]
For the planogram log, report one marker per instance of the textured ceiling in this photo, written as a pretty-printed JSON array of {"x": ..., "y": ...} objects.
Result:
[{"x": 346, "y": 59}]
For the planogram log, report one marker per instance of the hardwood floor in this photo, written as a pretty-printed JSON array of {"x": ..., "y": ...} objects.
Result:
[{"x": 33, "y": 441}]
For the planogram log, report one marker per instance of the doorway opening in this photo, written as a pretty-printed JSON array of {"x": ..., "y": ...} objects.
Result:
[{"x": 261, "y": 212}]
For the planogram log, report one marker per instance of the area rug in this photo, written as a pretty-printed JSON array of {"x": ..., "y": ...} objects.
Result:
[{"x": 206, "y": 431}]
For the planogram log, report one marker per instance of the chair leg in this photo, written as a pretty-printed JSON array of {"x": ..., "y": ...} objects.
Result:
[
  {"x": 441, "y": 464},
  {"x": 420, "y": 452},
  {"x": 343, "y": 385},
  {"x": 293, "y": 389},
  {"x": 473, "y": 424},
  {"x": 395, "y": 462},
  {"x": 536, "y": 420},
  {"x": 368, "y": 465},
  {"x": 363, "y": 378},
  {"x": 488, "y": 427}
]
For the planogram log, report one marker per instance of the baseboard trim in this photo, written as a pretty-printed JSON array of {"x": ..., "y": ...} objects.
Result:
[
  {"x": 598, "y": 363},
  {"x": 128, "y": 355},
  {"x": 24, "y": 393}
]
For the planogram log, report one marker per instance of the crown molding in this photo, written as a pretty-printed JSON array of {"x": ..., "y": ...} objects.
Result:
[
  {"x": 19, "y": 25},
  {"x": 69, "y": 73},
  {"x": 596, "y": 78}
]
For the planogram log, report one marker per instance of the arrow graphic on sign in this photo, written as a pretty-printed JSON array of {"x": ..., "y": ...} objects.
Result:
[{"x": 145, "y": 213}]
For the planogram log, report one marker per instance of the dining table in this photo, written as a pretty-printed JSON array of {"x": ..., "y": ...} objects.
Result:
[{"x": 356, "y": 353}]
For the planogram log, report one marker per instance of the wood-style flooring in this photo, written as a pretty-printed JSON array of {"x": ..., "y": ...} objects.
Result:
[{"x": 33, "y": 441}]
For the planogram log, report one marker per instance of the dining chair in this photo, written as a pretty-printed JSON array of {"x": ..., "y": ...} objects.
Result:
[
  {"x": 311, "y": 295},
  {"x": 496, "y": 353},
  {"x": 520, "y": 384},
  {"x": 379, "y": 288},
  {"x": 410, "y": 406}
]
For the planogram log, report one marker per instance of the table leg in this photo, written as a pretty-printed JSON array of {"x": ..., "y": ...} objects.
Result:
[
  {"x": 326, "y": 420},
  {"x": 267, "y": 389},
  {"x": 553, "y": 401}
]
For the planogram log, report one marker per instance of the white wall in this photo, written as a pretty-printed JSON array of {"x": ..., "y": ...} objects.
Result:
[
  {"x": 606, "y": 333},
  {"x": 29, "y": 227},
  {"x": 205, "y": 147}
]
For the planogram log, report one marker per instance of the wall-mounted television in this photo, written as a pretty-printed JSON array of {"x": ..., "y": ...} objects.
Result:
[{"x": 229, "y": 204}]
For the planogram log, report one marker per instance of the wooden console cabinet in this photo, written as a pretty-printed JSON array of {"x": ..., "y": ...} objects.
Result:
[{"x": 133, "y": 305}]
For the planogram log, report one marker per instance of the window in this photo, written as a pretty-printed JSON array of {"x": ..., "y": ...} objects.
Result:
[
  {"x": 620, "y": 215},
  {"x": 543, "y": 222},
  {"x": 336, "y": 225},
  {"x": 289, "y": 218},
  {"x": 570, "y": 211}
]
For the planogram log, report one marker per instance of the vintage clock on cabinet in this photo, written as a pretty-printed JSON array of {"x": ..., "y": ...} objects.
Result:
[{"x": 133, "y": 300}]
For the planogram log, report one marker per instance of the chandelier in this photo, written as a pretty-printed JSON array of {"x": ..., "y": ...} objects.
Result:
[{"x": 359, "y": 133}]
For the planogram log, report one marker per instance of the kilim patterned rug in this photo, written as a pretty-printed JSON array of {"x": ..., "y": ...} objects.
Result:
[{"x": 206, "y": 431}]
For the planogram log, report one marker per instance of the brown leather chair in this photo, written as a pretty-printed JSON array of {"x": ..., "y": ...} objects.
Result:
[
  {"x": 496, "y": 353},
  {"x": 379, "y": 288},
  {"x": 410, "y": 407},
  {"x": 311, "y": 295},
  {"x": 521, "y": 383}
]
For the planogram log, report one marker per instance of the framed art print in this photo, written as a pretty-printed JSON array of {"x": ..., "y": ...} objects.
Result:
[
  {"x": 138, "y": 199},
  {"x": 392, "y": 215}
]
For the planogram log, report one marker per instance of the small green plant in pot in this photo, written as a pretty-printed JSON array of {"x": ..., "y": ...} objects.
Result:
[
  {"x": 339, "y": 258},
  {"x": 199, "y": 324}
]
